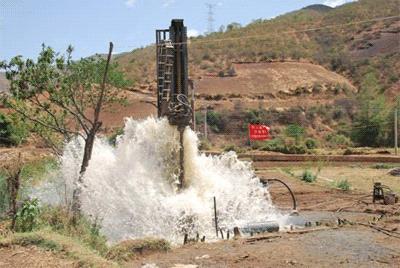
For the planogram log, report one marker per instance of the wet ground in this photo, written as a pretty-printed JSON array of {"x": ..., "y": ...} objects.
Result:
[
  {"x": 343, "y": 247},
  {"x": 347, "y": 230},
  {"x": 344, "y": 232}
]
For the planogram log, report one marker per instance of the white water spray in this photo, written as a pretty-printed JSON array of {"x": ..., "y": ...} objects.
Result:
[{"x": 131, "y": 188}]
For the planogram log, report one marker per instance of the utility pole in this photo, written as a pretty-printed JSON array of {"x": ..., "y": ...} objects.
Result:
[
  {"x": 210, "y": 19},
  {"x": 396, "y": 135},
  {"x": 205, "y": 123}
]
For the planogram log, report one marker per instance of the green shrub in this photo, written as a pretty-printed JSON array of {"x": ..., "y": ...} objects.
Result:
[
  {"x": 343, "y": 184},
  {"x": 12, "y": 130},
  {"x": 234, "y": 148},
  {"x": 274, "y": 145},
  {"x": 371, "y": 120},
  {"x": 295, "y": 149},
  {"x": 126, "y": 250},
  {"x": 216, "y": 121},
  {"x": 295, "y": 131},
  {"x": 204, "y": 145},
  {"x": 338, "y": 140},
  {"x": 307, "y": 176},
  {"x": 253, "y": 117},
  {"x": 311, "y": 143},
  {"x": 278, "y": 145},
  {"x": 199, "y": 117},
  {"x": 3, "y": 195},
  {"x": 27, "y": 217},
  {"x": 113, "y": 138},
  {"x": 255, "y": 145},
  {"x": 382, "y": 166},
  {"x": 85, "y": 230}
]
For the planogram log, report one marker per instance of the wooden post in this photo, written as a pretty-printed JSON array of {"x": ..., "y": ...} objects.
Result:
[
  {"x": 215, "y": 216},
  {"x": 396, "y": 135},
  {"x": 205, "y": 124}
]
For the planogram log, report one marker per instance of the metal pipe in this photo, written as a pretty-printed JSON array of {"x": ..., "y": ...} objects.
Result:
[
  {"x": 261, "y": 227},
  {"x": 287, "y": 186},
  {"x": 215, "y": 216}
]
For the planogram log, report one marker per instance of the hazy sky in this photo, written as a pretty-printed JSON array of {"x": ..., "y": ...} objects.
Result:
[{"x": 90, "y": 24}]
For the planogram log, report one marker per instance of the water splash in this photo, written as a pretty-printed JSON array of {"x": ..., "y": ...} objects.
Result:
[{"x": 132, "y": 187}]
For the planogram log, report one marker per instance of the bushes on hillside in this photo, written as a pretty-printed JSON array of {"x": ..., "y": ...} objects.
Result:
[
  {"x": 296, "y": 132},
  {"x": 279, "y": 145},
  {"x": 370, "y": 126},
  {"x": 311, "y": 143},
  {"x": 13, "y": 131},
  {"x": 338, "y": 140},
  {"x": 216, "y": 121}
]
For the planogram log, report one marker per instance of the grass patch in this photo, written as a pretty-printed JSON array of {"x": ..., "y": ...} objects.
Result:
[
  {"x": 205, "y": 145},
  {"x": 81, "y": 242},
  {"x": 66, "y": 246},
  {"x": 308, "y": 177},
  {"x": 343, "y": 185},
  {"x": 127, "y": 250},
  {"x": 288, "y": 171},
  {"x": 382, "y": 166},
  {"x": 59, "y": 220},
  {"x": 234, "y": 148}
]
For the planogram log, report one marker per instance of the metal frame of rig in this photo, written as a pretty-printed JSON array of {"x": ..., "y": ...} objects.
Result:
[{"x": 172, "y": 81}]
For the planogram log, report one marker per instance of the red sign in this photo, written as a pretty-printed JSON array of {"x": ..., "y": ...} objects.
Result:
[{"x": 258, "y": 132}]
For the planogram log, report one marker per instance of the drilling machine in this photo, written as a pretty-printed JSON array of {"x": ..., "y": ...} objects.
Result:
[{"x": 172, "y": 82}]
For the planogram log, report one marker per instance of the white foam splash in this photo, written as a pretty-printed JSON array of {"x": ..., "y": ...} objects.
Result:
[{"x": 131, "y": 187}]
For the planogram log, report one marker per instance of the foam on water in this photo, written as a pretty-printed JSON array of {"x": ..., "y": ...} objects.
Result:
[{"x": 131, "y": 188}]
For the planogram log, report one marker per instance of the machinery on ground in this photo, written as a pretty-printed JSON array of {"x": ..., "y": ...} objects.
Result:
[{"x": 172, "y": 81}]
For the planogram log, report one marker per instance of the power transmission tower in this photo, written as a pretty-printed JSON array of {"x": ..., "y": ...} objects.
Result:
[{"x": 210, "y": 19}]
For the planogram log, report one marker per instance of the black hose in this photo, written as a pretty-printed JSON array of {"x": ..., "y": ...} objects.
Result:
[{"x": 265, "y": 182}]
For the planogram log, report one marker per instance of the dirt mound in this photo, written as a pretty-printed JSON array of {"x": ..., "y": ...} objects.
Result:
[{"x": 272, "y": 79}]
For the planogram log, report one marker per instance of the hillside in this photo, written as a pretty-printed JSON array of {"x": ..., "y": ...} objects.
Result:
[
  {"x": 272, "y": 80},
  {"x": 350, "y": 49}
]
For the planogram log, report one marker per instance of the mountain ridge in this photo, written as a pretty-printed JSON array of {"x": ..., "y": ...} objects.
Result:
[{"x": 303, "y": 35}]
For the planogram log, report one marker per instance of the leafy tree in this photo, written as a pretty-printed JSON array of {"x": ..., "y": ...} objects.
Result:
[
  {"x": 233, "y": 26},
  {"x": 370, "y": 123},
  {"x": 295, "y": 131},
  {"x": 63, "y": 98}
]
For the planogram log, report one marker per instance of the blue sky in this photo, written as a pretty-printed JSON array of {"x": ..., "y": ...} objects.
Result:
[{"x": 90, "y": 24}]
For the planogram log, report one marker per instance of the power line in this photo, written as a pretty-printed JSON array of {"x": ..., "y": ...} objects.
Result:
[
  {"x": 291, "y": 31},
  {"x": 332, "y": 26}
]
